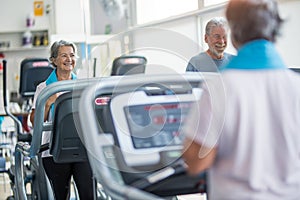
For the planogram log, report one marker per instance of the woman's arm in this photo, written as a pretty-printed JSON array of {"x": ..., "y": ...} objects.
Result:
[{"x": 48, "y": 104}]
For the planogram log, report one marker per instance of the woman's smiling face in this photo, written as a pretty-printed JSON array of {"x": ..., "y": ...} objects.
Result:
[{"x": 66, "y": 59}]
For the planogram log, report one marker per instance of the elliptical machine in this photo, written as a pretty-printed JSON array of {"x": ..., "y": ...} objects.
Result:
[{"x": 21, "y": 172}]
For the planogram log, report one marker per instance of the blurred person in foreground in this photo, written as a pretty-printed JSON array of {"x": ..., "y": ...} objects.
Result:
[
  {"x": 63, "y": 57},
  {"x": 214, "y": 57},
  {"x": 245, "y": 128}
]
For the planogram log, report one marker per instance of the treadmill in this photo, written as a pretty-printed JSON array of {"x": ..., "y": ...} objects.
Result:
[{"x": 132, "y": 132}]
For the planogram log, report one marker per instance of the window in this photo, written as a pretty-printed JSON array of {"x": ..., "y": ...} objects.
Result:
[{"x": 147, "y": 11}]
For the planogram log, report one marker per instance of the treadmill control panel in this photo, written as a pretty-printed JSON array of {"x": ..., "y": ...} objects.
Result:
[{"x": 156, "y": 125}]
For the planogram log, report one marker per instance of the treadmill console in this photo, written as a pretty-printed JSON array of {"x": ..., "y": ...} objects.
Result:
[
  {"x": 147, "y": 125},
  {"x": 156, "y": 125}
]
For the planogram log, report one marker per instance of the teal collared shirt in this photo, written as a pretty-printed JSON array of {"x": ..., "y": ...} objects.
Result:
[
  {"x": 256, "y": 55},
  {"x": 52, "y": 79}
]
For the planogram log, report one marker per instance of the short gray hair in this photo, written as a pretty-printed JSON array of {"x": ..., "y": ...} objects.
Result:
[
  {"x": 253, "y": 19},
  {"x": 55, "y": 48},
  {"x": 215, "y": 22}
]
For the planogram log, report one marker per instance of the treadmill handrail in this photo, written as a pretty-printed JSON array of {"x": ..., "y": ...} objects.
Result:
[
  {"x": 5, "y": 100},
  {"x": 60, "y": 86},
  {"x": 21, "y": 150}
]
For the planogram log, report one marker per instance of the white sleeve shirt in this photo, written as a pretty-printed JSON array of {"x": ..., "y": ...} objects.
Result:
[{"x": 256, "y": 134}]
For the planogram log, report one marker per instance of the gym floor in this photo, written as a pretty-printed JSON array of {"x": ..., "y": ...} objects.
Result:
[
  {"x": 5, "y": 191},
  {"x": 193, "y": 197}
]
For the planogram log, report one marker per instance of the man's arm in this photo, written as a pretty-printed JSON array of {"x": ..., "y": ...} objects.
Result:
[
  {"x": 198, "y": 157},
  {"x": 190, "y": 68}
]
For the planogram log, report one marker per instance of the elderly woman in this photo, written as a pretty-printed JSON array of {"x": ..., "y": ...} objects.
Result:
[{"x": 63, "y": 58}]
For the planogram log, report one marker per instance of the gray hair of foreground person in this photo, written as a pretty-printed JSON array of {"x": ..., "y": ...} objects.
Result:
[
  {"x": 54, "y": 50},
  {"x": 260, "y": 20},
  {"x": 216, "y": 22}
]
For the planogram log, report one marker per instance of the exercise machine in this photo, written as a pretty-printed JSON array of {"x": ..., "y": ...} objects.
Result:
[
  {"x": 66, "y": 125},
  {"x": 128, "y": 65},
  {"x": 136, "y": 152},
  {"x": 112, "y": 86},
  {"x": 33, "y": 71}
]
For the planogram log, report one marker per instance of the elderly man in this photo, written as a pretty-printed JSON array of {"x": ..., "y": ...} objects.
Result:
[{"x": 214, "y": 57}]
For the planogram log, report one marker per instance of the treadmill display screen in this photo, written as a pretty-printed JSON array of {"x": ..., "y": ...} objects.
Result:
[{"x": 156, "y": 125}]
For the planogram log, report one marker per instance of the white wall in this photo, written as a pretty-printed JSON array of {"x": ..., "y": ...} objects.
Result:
[
  {"x": 12, "y": 25},
  {"x": 69, "y": 17},
  {"x": 289, "y": 40},
  {"x": 14, "y": 12},
  {"x": 168, "y": 47},
  {"x": 166, "y": 50},
  {"x": 99, "y": 20}
]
